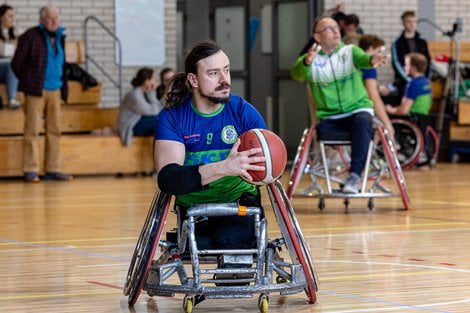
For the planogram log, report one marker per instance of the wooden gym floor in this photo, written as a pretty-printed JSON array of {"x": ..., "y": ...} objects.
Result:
[{"x": 66, "y": 247}]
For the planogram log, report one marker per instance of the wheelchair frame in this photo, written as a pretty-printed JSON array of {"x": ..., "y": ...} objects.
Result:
[
  {"x": 306, "y": 162},
  {"x": 151, "y": 275}
]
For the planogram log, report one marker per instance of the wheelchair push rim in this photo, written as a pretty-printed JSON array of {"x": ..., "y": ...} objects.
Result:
[
  {"x": 395, "y": 167},
  {"x": 410, "y": 158},
  {"x": 146, "y": 247},
  {"x": 296, "y": 238}
]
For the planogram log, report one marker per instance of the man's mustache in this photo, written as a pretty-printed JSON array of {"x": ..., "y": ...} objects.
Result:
[{"x": 222, "y": 86}]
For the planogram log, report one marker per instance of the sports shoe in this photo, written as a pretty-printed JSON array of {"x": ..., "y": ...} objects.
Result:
[
  {"x": 352, "y": 184},
  {"x": 14, "y": 104},
  {"x": 31, "y": 177},
  {"x": 57, "y": 176}
]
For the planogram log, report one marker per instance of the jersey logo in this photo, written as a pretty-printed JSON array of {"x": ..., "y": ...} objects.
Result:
[{"x": 229, "y": 134}]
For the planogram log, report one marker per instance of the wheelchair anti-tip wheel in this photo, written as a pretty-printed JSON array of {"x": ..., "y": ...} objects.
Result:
[
  {"x": 300, "y": 160},
  {"x": 146, "y": 246}
]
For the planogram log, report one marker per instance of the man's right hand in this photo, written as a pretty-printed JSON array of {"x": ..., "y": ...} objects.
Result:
[
  {"x": 312, "y": 53},
  {"x": 238, "y": 163}
]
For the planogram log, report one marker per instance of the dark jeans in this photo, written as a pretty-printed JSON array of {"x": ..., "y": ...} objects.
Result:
[
  {"x": 145, "y": 126},
  {"x": 359, "y": 128}
]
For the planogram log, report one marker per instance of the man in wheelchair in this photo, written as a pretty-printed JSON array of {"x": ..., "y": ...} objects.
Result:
[
  {"x": 196, "y": 147},
  {"x": 219, "y": 210},
  {"x": 342, "y": 103}
]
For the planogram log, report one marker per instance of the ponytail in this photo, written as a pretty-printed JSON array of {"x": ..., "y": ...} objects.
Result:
[{"x": 178, "y": 90}]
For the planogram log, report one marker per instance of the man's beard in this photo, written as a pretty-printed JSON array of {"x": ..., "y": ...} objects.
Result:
[{"x": 217, "y": 100}]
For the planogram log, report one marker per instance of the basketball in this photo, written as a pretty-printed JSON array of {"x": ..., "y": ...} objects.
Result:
[{"x": 273, "y": 149}]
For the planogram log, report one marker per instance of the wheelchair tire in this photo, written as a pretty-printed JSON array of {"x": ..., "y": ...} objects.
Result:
[
  {"x": 410, "y": 140},
  {"x": 432, "y": 139},
  {"x": 300, "y": 160},
  {"x": 146, "y": 247},
  {"x": 287, "y": 217},
  {"x": 395, "y": 167}
]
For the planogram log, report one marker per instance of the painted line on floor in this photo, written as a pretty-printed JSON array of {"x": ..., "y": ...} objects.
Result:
[
  {"x": 386, "y": 232},
  {"x": 395, "y": 304},
  {"x": 104, "y": 284},
  {"x": 344, "y": 277},
  {"x": 448, "y": 269},
  {"x": 9, "y": 242},
  {"x": 57, "y": 295},
  {"x": 102, "y": 265},
  {"x": 68, "y": 250}
]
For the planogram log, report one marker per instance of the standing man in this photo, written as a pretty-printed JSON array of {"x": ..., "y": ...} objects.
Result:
[
  {"x": 196, "y": 142},
  {"x": 409, "y": 41},
  {"x": 343, "y": 104},
  {"x": 39, "y": 63}
]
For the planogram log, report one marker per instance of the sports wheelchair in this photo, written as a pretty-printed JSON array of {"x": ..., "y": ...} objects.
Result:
[
  {"x": 326, "y": 161},
  {"x": 261, "y": 270},
  {"x": 417, "y": 142}
]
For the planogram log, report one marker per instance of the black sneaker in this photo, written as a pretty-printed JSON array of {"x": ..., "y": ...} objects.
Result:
[{"x": 57, "y": 176}]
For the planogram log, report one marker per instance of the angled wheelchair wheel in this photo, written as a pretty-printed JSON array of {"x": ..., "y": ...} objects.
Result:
[
  {"x": 410, "y": 142},
  {"x": 300, "y": 160},
  {"x": 146, "y": 246},
  {"x": 431, "y": 145},
  {"x": 394, "y": 165},
  {"x": 287, "y": 220}
]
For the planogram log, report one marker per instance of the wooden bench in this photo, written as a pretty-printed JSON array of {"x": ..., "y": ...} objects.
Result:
[
  {"x": 84, "y": 155},
  {"x": 74, "y": 119}
]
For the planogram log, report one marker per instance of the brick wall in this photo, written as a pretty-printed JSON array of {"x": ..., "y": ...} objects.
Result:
[
  {"x": 382, "y": 18},
  {"x": 72, "y": 15}
]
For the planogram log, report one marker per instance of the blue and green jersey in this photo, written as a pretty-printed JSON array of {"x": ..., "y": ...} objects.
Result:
[{"x": 209, "y": 138}]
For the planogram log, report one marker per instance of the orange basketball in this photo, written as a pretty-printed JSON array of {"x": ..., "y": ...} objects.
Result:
[{"x": 273, "y": 149}]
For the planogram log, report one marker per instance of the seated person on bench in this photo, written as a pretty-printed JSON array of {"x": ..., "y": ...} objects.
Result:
[
  {"x": 196, "y": 141},
  {"x": 343, "y": 104}
]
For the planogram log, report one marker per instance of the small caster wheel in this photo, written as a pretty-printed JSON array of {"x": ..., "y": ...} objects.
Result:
[
  {"x": 263, "y": 303},
  {"x": 280, "y": 280},
  {"x": 371, "y": 204},
  {"x": 346, "y": 204},
  {"x": 321, "y": 204},
  {"x": 188, "y": 303}
]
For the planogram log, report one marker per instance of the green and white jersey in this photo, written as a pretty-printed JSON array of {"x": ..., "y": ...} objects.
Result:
[{"x": 336, "y": 81}]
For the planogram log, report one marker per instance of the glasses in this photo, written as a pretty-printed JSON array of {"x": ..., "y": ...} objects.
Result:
[{"x": 330, "y": 29}]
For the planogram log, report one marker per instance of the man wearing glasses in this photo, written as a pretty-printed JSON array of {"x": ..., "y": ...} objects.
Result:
[{"x": 342, "y": 103}]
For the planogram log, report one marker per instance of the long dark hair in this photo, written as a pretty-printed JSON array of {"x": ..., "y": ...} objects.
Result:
[
  {"x": 179, "y": 87},
  {"x": 11, "y": 31},
  {"x": 142, "y": 75}
]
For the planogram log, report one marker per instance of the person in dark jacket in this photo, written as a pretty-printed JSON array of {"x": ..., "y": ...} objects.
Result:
[
  {"x": 39, "y": 64},
  {"x": 409, "y": 41}
]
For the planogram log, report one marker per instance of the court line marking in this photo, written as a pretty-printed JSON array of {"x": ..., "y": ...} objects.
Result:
[
  {"x": 7, "y": 242},
  {"x": 394, "y": 308},
  {"x": 449, "y": 269},
  {"x": 68, "y": 250},
  {"x": 343, "y": 277},
  {"x": 103, "y": 265},
  {"x": 395, "y": 304},
  {"x": 58, "y": 295}
]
